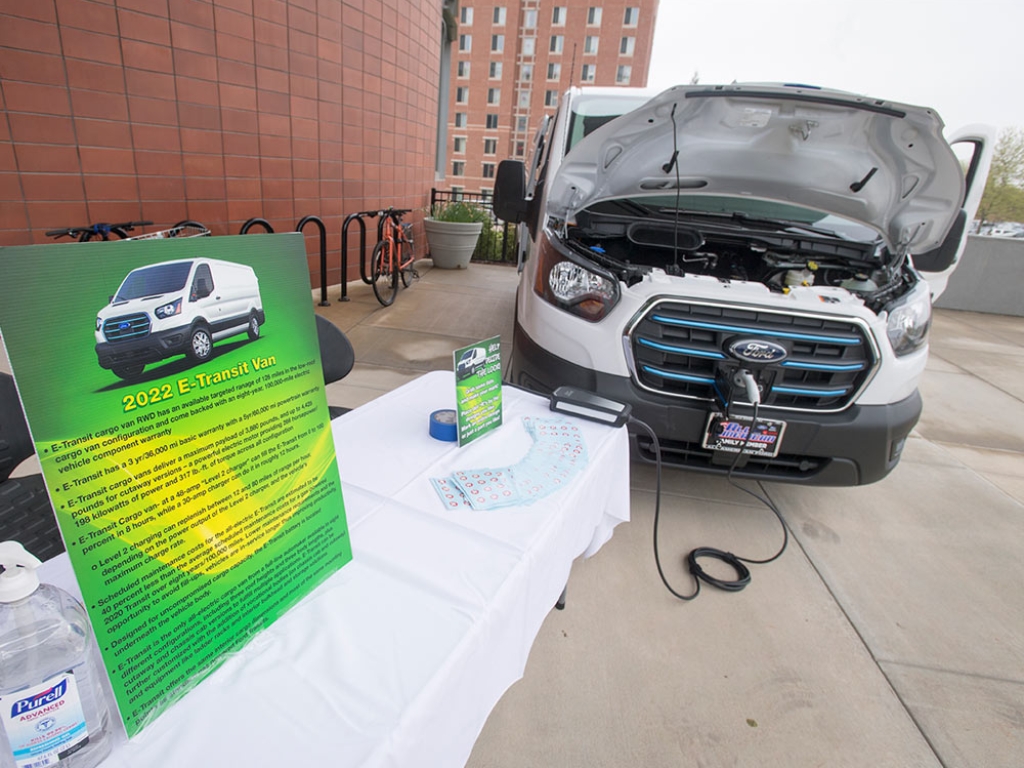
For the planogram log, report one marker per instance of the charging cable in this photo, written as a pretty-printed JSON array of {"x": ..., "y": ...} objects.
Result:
[{"x": 735, "y": 561}]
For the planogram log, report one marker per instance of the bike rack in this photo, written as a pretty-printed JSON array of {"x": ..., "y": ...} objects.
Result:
[
  {"x": 252, "y": 222},
  {"x": 323, "y": 256},
  {"x": 358, "y": 218}
]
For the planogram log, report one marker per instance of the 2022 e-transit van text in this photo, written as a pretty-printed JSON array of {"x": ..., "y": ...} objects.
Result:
[
  {"x": 174, "y": 308},
  {"x": 709, "y": 248}
]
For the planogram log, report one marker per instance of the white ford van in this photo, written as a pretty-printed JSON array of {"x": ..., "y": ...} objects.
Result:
[
  {"x": 173, "y": 308},
  {"x": 694, "y": 251}
]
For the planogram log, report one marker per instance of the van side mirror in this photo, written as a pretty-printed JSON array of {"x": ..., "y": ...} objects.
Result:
[{"x": 510, "y": 191}]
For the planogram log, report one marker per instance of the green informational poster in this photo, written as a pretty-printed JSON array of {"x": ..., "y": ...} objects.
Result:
[
  {"x": 176, "y": 400},
  {"x": 478, "y": 388}
]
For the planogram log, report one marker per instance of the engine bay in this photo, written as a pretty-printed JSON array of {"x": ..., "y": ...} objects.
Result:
[{"x": 778, "y": 257}]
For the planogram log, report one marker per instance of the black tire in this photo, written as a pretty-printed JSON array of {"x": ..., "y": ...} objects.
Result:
[
  {"x": 384, "y": 278},
  {"x": 254, "y": 327},
  {"x": 200, "y": 344},
  {"x": 129, "y": 372},
  {"x": 408, "y": 252}
]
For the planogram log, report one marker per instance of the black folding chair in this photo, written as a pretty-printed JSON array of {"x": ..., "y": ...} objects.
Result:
[
  {"x": 336, "y": 356},
  {"x": 25, "y": 511}
]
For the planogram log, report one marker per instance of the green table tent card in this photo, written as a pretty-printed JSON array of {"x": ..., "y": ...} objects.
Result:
[
  {"x": 478, "y": 388},
  {"x": 176, "y": 400}
]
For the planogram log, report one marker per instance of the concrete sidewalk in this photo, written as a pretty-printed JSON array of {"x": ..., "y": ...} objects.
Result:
[{"x": 891, "y": 632}]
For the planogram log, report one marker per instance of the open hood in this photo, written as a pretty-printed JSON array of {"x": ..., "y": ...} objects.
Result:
[{"x": 882, "y": 164}]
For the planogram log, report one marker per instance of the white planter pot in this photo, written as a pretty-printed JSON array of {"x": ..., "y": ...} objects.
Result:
[{"x": 452, "y": 242}]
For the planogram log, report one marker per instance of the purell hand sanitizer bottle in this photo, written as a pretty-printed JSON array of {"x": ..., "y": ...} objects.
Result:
[{"x": 51, "y": 709}]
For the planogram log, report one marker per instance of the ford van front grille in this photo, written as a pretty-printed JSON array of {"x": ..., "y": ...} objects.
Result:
[
  {"x": 126, "y": 327},
  {"x": 681, "y": 349}
]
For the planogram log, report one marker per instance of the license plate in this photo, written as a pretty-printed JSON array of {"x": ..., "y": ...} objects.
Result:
[{"x": 730, "y": 435}]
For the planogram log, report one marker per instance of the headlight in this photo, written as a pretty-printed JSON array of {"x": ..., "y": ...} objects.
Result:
[
  {"x": 99, "y": 323},
  {"x": 168, "y": 310},
  {"x": 571, "y": 286},
  {"x": 909, "y": 322}
]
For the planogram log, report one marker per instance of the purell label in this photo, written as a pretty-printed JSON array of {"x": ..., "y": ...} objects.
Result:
[{"x": 45, "y": 723}]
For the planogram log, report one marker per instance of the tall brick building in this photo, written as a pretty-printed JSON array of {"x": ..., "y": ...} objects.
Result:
[
  {"x": 215, "y": 110},
  {"x": 512, "y": 59}
]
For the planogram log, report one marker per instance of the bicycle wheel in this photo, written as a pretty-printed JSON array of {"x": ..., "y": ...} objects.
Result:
[
  {"x": 407, "y": 273},
  {"x": 385, "y": 276},
  {"x": 408, "y": 256}
]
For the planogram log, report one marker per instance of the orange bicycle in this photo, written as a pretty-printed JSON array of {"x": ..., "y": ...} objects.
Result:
[{"x": 393, "y": 256}]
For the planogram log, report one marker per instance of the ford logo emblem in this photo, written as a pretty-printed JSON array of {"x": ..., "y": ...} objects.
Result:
[{"x": 757, "y": 351}]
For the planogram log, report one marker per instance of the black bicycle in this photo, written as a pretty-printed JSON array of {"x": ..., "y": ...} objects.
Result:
[{"x": 100, "y": 231}]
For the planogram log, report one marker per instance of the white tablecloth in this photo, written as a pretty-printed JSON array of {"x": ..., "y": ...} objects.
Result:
[{"x": 398, "y": 658}]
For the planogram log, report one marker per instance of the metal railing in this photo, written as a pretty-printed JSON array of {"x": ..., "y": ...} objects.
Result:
[{"x": 497, "y": 243}]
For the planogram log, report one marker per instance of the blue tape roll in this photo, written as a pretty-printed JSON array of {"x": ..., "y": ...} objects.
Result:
[{"x": 444, "y": 425}]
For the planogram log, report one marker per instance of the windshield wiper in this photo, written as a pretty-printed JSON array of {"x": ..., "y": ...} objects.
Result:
[{"x": 753, "y": 220}]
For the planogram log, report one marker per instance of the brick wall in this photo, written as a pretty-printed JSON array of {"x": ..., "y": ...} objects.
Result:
[{"x": 215, "y": 110}]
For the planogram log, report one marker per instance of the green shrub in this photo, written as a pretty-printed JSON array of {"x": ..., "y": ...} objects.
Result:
[{"x": 461, "y": 211}]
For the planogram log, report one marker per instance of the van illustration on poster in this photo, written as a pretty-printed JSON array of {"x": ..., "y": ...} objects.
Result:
[{"x": 175, "y": 397}]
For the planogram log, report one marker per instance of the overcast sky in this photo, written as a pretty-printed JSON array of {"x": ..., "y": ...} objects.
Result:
[{"x": 964, "y": 59}]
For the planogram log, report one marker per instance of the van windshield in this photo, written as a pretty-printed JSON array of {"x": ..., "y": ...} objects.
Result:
[
  {"x": 155, "y": 280},
  {"x": 592, "y": 112}
]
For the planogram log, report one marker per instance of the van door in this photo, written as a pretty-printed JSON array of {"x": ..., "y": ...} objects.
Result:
[
  {"x": 973, "y": 146},
  {"x": 202, "y": 296}
]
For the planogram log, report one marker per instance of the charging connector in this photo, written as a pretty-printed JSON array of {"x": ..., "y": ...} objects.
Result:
[{"x": 746, "y": 378}]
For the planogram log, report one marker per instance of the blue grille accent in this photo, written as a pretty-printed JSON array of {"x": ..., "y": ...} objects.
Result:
[
  {"x": 680, "y": 376},
  {"x": 823, "y": 366},
  {"x": 753, "y": 329},
  {"x": 810, "y": 392},
  {"x": 679, "y": 348},
  {"x": 126, "y": 327}
]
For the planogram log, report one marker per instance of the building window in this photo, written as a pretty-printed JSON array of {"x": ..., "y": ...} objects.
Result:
[
  {"x": 486, "y": 192},
  {"x": 530, "y": 20},
  {"x": 526, "y": 73},
  {"x": 550, "y": 98},
  {"x": 466, "y": 16},
  {"x": 457, "y": 193},
  {"x": 458, "y": 167},
  {"x": 557, "y": 44},
  {"x": 490, "y": 146},
  {"x": 499, "y": 16},
  {"x": 627, "y": 45},
  {"x": 524, "y": 99},
  {"x": 590, "y": 44},
  {"x": 460, "y": 119},
  {"x": 494, "y": 95},
  {"x": 497, "y": 43},
  {"x": 589, "y": 72},
  {"x": 554, "y": 71},
  {"x": 529, "y": 46},
  {"x": 459, "y": 144},
  {"x": 520, "y": 149},
  {"x": 594, "y": 17},
  {"x": 488, "y": 170},
  {"x": 465, "y": 43},
  {"x": 495, "y": 70},
  {"x": 558, "y": 16},
  {"x": 461, "y": 94},
  {"x": 522, "y": 123},
  {"x": 463, "y": 69},
  {"x": 622, "y": 74},
  {"x": 632, "y": 17},
  {"x": 492, "y": 122}
]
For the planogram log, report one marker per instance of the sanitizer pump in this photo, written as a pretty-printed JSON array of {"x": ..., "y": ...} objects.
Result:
[{"x": 52, "y": 710}]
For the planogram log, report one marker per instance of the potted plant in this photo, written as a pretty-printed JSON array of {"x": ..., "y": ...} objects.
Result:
[{"x": 452, "y": 232}]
